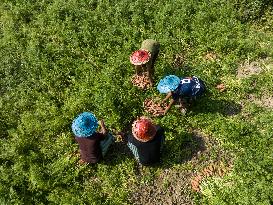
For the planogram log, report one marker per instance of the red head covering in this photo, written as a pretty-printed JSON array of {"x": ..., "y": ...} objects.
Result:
[
  {"x": 143, "y": 130},
  {"x": 140, "y": 57}
]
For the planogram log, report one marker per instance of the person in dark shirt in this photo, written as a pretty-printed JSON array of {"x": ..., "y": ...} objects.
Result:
[
  {"x": 93, "y": 145},
  {"x": 181, "y": 90},
  {"x": 146, "y": 141}
]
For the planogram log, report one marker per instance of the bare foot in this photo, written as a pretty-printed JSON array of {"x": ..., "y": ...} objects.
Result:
[{"x": 183, "y": 110}]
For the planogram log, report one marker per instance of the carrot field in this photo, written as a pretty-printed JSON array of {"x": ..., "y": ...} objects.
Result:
[{"x": 59, "y": 58}]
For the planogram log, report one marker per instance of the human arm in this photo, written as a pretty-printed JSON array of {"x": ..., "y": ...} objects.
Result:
[
  {"x": 103, "y": 127},
  {"x": 167, "y": 97},
  {"x": 169, "y": 106}
]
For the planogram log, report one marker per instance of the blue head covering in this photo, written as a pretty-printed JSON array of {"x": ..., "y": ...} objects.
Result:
[
  {"x": 84, "y": 125},
  {"x": 168, "y": 83}
]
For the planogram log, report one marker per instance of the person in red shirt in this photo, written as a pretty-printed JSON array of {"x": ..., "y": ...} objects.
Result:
[
  {"x": 93, "y": 145},
  {"x": 146, "y": 141}
]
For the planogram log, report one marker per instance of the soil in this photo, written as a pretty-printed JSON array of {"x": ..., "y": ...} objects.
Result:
[
  {"x": 176, "y": 185},
  {"x": 210, "y": 56},
  {"x": 265, "y": 101},
  {"x": 251, "y": 68},
  {"x": 170, "y": 187},
  {"x": 248, "y": 68}
]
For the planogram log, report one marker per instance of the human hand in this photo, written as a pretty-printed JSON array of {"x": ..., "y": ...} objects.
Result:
[
  {"x": 183, "y": 110},
  {"x": 101, "y": 121},
  {"x": 120, "y": 137},
  {"x": 103, "y": 127}
]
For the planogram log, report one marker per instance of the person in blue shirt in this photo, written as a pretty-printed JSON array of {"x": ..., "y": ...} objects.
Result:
[{"x": 180, "y": 89}]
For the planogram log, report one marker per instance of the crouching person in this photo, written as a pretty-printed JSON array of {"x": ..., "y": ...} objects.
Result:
[
  {"x": 93, "y": 145},
  {"x": 144, "y": 58},
  {"x": 180, "y": 90},
  {"x": 146, "y": 141}
]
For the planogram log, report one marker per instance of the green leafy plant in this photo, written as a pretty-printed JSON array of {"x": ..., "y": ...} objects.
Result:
[{"x": 60, "y": 58}]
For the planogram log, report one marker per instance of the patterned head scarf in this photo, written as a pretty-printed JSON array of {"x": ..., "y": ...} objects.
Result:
[
  {"x": 143, "y": 129},
  {"x": 140, "y": 57},
  {"x": 84, "y": 125},
  {"x": 168, "y": 84}
]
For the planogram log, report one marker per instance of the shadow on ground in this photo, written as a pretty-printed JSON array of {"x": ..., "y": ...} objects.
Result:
[
  {"x": 224, "y": 107},
  {"x": 117, "y": 153},
  {"x": 188, "y": 145}
]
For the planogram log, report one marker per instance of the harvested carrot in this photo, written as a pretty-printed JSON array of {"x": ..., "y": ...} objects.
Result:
[
  {"x": 154, "y": 108},
  {"x": 141, "y": 81}
]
